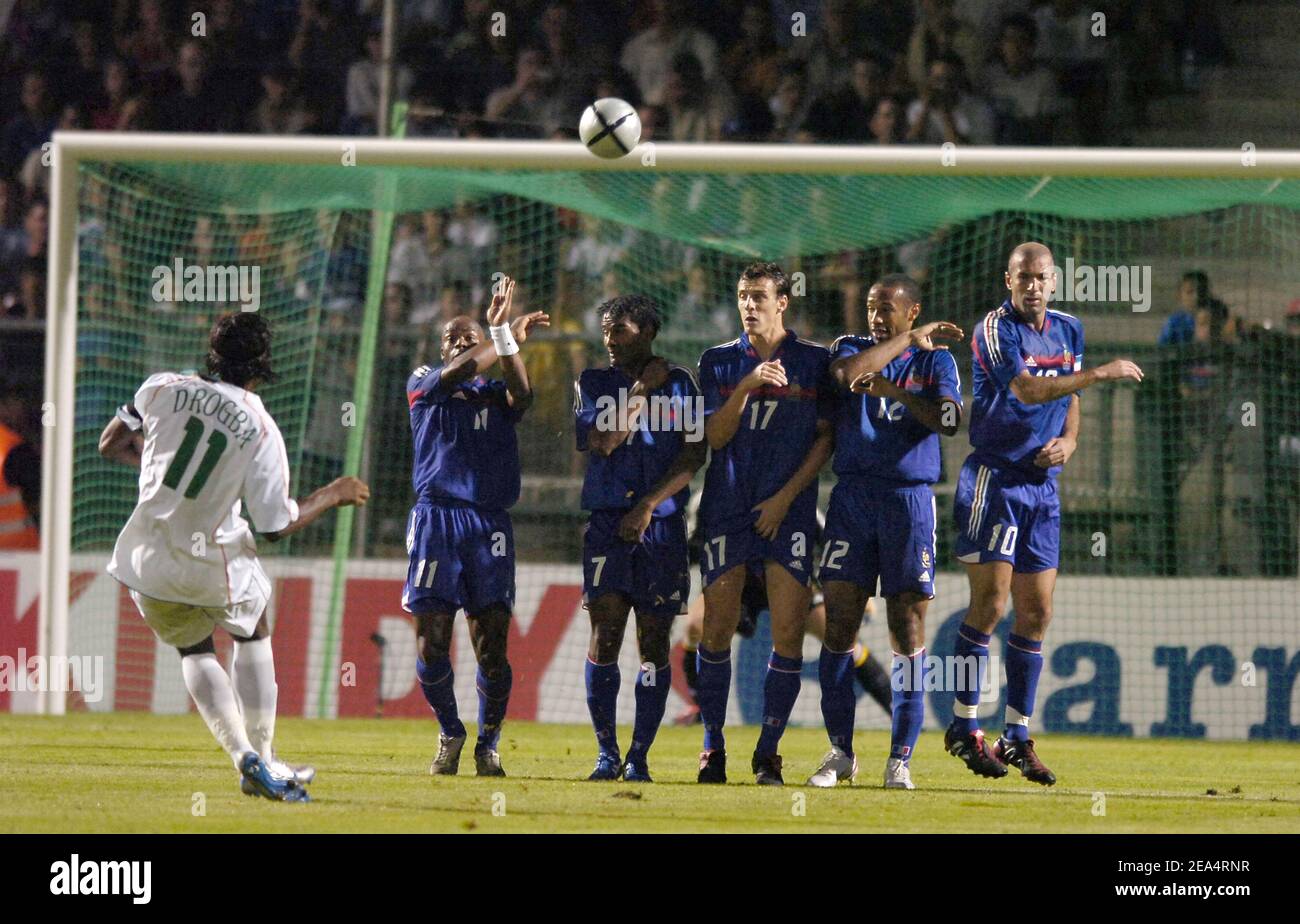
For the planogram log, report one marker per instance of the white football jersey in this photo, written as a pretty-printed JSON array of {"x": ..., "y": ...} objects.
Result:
[{"x": 207, "y": 444}]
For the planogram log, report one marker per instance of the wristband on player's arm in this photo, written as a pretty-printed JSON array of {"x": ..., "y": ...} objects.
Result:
[{"x": 504, "y": 340}]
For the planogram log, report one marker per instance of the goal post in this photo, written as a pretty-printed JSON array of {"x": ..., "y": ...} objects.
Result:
[{"x": 715, "y": 207}]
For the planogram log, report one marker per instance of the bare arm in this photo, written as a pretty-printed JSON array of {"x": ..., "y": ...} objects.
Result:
[
  {"x": 848, "y": 369},
  {"x": 119, "y": 443},
  {"x": 340, "y": 492},
  {"x": 1033, "y": 389}
]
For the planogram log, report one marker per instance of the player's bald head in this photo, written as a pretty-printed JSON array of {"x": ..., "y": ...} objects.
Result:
[
  {"x": 1031, "y": 279},
  {"x": 1029, "y": 251}
]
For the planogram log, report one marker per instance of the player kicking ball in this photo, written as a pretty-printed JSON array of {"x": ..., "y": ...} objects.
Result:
[
  {"x": 881, "y": 521},
  {"x": 1024, "y": 426},
  {"x": 769, "y": 402},
  {"x": 459, "y": 536},
  {"x": 203, "y": 442},
  {"x": 639, "y": 466}
]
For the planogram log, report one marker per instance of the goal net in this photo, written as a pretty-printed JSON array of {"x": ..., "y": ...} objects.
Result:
[{"x": 1176, "y": 607}]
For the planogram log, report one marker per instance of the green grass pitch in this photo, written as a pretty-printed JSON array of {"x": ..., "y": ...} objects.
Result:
[{"x": 129, "y": 772}]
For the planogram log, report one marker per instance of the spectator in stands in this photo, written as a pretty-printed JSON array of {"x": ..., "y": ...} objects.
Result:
[
  {"x": 654, "y": 123},
  {"x": 1078, "y": 58},
  {"x": 828, "y": 50},
  {"x": 20, "y": 475},
  {"x": 748, "y": 65},
  {"x": 938, "y": 33},
  {"x": 648, "y": 56},
  {"x": 319, "y": 52},
  {"x": 946, "y": 111},
  {"x": 363, "y": 86},
  {"x": 31, "y": 30},
  {"x": 235, "y": 55},
  {"x": 1023, "y": 93},
  {"x": 480, "y": 58},
  {"x": 113, "y": 97},
  {"x": 475, "y": 236},
  {"x": 574, "y": 67},
  {"x": 12, "y": 239},
  {"x": 34, "y": 175},
  {"x": 530, "y": 106},
  {"x": 693, "y": 115},
  {"x": 887, "y": 125},
  {"x": 151, "y": 45},
  {"x": 1180, "y": 326},
  {"x": 79, "y": 81},
  {"x": 193, "y": 106},
  {"x": 281, "y": 110},
  {"x": 844, "y": 115},
  {"x": 790, "y": 105},
  {"x": 31, "y": 127}
]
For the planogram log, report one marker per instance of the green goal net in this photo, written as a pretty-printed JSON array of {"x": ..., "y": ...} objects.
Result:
[{"x": 1176, "y": 608}]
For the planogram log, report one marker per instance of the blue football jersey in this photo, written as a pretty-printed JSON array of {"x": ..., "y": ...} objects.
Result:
[
  {"x": 777, "y": 427},
  {"x": 1005, "y": 433},
  {"x": 619, "y": 480},
  {"x": 465, "y": 443},
  {"x": 879, "y": 438}
]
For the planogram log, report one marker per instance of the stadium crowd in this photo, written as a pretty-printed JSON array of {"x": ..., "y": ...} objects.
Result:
[{"x": 824, "y": 71}]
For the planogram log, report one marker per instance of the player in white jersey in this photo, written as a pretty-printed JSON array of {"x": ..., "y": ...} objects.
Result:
[{"x": 187, "y": 553}]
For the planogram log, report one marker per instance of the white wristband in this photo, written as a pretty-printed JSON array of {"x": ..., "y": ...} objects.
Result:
[{"x": 504, "y": 340}]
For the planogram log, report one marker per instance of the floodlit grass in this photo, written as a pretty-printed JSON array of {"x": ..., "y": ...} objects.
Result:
[{"x": 131, "y": 772}]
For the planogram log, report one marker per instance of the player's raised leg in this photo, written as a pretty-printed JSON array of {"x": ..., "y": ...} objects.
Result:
[
  {"x": 713, "y": 668},
  {"x": 1031, "y": 594},
  {"x": 608, "y": 621}
]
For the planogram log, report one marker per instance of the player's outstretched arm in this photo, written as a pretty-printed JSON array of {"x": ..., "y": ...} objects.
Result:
[
  {"x": 119, "y": 443},
  {"x": 848, "y": 369},
  {"x": 1032, "y": 389},
  {"x": 341, "y": 492},
  {"x": 506, "y": 335},
  {"x": 772, "y": 511},
  {"x": 941, "y": 415},
  {"x": 723, "y": 423}
]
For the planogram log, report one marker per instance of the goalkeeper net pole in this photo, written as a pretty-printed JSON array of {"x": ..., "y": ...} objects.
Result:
[{"x": 1193, "y": 534}]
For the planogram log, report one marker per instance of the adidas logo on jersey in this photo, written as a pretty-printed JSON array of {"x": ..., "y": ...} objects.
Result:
[
  {"x": 796, "y": 565},
  {"x": 925, "y": 577},
  {"x": 1030, "y": 361},
  {"x": 421, "y": 372}
]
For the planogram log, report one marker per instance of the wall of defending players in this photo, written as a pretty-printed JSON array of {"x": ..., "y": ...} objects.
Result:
[{"x": 1169, "y": 674}]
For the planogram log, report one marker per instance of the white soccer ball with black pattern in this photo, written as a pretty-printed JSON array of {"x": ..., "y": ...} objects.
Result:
[{"x": 610, "y": 127}]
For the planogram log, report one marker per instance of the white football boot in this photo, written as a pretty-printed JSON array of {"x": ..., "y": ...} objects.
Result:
[
  {"x": 836, "y": 767},
  {"x": 897, "y": 775}
]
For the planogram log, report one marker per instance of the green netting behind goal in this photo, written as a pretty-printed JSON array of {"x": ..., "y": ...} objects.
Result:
[{"x": 1179, "y": 531}]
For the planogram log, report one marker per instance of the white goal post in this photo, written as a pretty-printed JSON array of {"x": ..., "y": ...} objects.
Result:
[{"x": 70, "y": 149}]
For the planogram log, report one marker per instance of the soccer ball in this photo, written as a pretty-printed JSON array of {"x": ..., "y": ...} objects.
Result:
[{"x": 610, "y": 127}]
